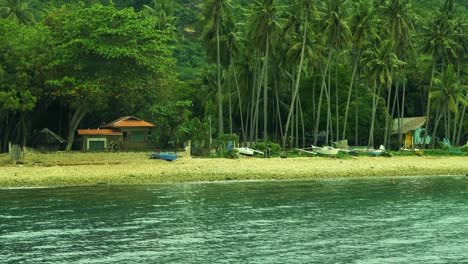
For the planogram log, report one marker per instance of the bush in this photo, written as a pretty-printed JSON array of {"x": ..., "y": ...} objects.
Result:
[{"x": 271, "y": 146}]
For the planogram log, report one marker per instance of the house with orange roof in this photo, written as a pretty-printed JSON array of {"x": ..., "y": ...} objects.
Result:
[{"x": 127, "y": 133}]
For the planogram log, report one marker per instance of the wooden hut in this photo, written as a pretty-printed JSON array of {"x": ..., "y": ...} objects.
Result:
[
  {"x": 412, "y": 130},
  {"x": 47, "y": 140},
  {"x": 127, "y": 132}
]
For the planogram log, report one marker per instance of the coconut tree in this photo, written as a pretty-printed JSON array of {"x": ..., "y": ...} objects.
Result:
[
  {"x": 336, "y": 33},
  {"x": 380, "y": 61},
  {"x": 438, "y": 42},
  {"x": 263, "y": 31},
  {"x": 216, "y": 13},
  {"x": 449, "y": 91},
  {"x": 18, "y": 11},
  {"x": 397, "y": 18},
  {"x": 364, "y": 26},
  {"x": 304, "y": 13}
]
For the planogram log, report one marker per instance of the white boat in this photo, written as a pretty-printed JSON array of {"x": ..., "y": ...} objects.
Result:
[
  {"x": 326, "y": 150},
  {"x": 248, "y": 151}
]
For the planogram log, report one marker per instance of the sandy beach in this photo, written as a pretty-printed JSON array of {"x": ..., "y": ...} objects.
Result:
[{"x": 141, "y": 170}]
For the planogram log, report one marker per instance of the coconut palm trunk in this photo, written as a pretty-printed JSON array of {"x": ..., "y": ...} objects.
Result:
[
  {"x": 319, "y": 107},
  {"x": 428, "y": 104},
  {"x": 220, "y": 94},
  {"x": 296, "y": 86},
  {"x": 265, "y": 94},
  {"x": 350, "y": 89}
]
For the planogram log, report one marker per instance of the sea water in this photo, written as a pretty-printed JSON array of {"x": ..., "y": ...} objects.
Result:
[{"x": 380, "y": 220}]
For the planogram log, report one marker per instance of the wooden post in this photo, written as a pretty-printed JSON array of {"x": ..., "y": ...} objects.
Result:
[{"x": 15, "y": 152}]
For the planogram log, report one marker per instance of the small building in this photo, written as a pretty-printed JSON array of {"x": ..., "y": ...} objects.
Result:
[
  {"x": 47, "y": 140},
  {"x": 412, "y": 130},
  {"x": 126, "y": 133}
]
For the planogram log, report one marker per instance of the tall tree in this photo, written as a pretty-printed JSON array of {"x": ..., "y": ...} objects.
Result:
[
  {"x": 336, "y": 33},
  {"x": 216, "y": 13},
  {"x": 364, "y": 24},
  {"x": 397, "y": 18},
  {"x": 264, "y": 29},
  {"x": 103, "y": 54},
  {"x": 304, "y": 10},
  {"x": 437, "y": 41},
  {"x": 24, "y": 56},
  {"x": 448, "y": 93},
  {"x": 380, "y": 62}
]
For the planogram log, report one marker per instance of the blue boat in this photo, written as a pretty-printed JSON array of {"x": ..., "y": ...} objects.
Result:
[{"x": 163, "y": 155}]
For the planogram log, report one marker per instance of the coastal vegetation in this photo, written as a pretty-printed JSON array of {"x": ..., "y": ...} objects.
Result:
[{"x": 284, "y": 72}]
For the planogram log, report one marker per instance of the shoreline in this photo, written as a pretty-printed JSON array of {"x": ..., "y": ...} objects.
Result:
[
  {"x": 136, "y": 169},
  {"x": 239, "y": 181}
]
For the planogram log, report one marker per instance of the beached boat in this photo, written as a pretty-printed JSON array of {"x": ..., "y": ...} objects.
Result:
[
  {"x": 416, "y": 151},
  {"x": 326, "y": 150},
  {"x": 163, "y": 155},
  {"x": 248, "y": 151}
]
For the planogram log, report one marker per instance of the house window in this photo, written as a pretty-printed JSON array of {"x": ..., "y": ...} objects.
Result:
[{"x": 136, "y": 136}]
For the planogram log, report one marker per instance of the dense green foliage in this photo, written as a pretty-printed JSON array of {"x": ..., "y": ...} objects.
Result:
[{"x": 292, "y": 72}]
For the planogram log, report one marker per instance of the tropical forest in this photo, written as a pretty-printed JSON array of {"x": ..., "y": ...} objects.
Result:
[{"x": 289, "y": 73}]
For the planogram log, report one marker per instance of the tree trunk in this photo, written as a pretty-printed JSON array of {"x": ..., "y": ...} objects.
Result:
[
  {"x": 220, "y": 94},
  {"x": 265, "y": 95},
  {"x": 455, "y": 121},
  {"x": 403, "y": 100},
  {"x": 460, "y": 126},
  {"x": 375, "y": 100},
  {"x": 348, "y": 101},
  {"x": 428, "y": 105},
  {"x": 389, "y": 89},
  {"x": 329, "y": 115},
  {"x": 302, "y": 121},
  {"x": 252, "y": 104},
  {"x": 297, "y": 122},
  {"x": 279, "y": 112},
  {"x": 395, "y": 104},
  {"x": 257, "y": 106},
  {"x": 230, "y": 109},
  {"x": 298, "y": 80},
  {"x": 317, "y": 122},
  {"x": 336, "y": 101},
  {"x": 244, "y": 135},
  {"x": 438, "y": 117},
  {"x": 80, "y": 112}
]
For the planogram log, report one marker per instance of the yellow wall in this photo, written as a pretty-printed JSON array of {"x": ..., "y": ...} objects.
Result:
[{"x": 409, "y": 140}]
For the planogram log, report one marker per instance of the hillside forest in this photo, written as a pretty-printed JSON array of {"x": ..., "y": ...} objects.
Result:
[{"x": 291, "y": 72}]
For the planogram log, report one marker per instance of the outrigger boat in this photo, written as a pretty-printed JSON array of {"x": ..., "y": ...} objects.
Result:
[
  {"x": 248, "y": 151},
  {"x": 326, "y": 150},
  {"x": 163, "y": 155}
]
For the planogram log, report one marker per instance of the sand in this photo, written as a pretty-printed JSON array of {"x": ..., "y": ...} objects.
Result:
[{"x": 141, "y": 170}]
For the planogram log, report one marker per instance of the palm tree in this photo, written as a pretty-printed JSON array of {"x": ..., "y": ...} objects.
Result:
[
  {"x": 263, "y": 30},
  {"x": 18, "y": 11},
  {"x": 163, "y": 11},
  {"x": 336, "y": 33},
  {"x": 216, "y": 14},
  {"x": 380, "y": 62},
  {"x": 304, "y": 11},
  {"x": 398, "y": 20},
  {"x": 437, "y": 39},
  {"x": 364, "y": 22},
  {"x": 448, "y": 93}
]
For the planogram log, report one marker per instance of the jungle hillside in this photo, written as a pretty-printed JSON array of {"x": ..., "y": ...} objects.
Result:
[{"x": 288, "y": 72}]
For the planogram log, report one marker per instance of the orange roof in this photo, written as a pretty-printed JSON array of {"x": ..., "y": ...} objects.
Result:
[
  {"x": 99, "y": 132},
  {"x": 128, "y": 121}
]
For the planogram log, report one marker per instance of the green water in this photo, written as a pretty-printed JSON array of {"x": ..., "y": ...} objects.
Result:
[{"x": 411, "y": 220}]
